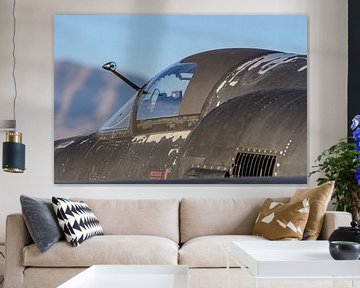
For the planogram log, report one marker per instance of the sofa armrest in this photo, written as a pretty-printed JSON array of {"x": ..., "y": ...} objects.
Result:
[
  {"x": 17, "y": 237},
  {"x": 333, "y": 220}
]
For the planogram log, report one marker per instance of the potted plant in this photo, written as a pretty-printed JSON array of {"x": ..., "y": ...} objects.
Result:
[{"x": 341, "y": 163}]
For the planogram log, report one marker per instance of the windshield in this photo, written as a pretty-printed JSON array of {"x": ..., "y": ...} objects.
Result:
[
  {"x": 121, "y": 119},
  {"x": 163, "y": 95}
]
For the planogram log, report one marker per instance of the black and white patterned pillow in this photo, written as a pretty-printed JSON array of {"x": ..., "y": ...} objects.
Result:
[{"x": 77, "y": 220}]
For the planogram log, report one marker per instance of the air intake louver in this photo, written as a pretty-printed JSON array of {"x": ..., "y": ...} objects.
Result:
[{"x": 253, "y": 165}]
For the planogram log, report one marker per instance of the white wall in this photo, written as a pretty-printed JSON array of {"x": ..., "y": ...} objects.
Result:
[{"x": 327, "y": 89}]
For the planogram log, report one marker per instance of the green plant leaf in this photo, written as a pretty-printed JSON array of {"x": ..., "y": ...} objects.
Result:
[{"x": 339, "y": 163}]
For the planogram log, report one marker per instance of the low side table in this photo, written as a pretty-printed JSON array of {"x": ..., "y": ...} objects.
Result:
[
  {"x": 131, "y": 276},
  {"x": 293, "y": 260}
]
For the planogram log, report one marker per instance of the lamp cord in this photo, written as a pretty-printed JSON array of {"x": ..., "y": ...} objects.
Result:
[
  {"x": 2, "y": 280},
  {"x": 14, "y": 61}
]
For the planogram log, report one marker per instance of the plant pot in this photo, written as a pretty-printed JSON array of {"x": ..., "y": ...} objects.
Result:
[{"x": 351, "y": 233}]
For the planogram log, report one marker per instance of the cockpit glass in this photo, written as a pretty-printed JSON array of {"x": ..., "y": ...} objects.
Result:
[
  {"x": 121, "y": 119},
  {"x": 162, "y": 96}
]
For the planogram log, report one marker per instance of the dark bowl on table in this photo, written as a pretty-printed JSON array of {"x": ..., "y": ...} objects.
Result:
[{"x": 344, "y": 250}]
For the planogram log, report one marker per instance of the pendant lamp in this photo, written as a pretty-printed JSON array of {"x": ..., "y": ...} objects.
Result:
[{"x": 13, "y": 149}]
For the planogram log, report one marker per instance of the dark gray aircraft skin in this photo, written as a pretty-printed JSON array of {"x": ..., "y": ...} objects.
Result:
[{"x": 231, "y": 116}]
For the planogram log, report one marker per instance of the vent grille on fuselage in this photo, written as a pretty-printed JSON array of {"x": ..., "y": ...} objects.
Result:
[{"x": 253, "y": 165}]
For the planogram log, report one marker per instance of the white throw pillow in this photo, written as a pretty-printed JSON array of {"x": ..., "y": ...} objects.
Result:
[{"x": 76, "y": 220}]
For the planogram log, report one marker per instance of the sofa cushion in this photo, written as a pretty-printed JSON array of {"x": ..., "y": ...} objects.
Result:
[
  {"x": 107, "y": 249},
  {"x": 77, "y": 220},
  {"x": 158, "y": 217},
  {"x": 319, "y": 198},
  {"x": 211, "y": 251},
  {"x": 201, "y": 217},
  {"x": 279, "y": 221},
  {"x": 41, "y": 221},
  {"x": 35, "y": 277}
]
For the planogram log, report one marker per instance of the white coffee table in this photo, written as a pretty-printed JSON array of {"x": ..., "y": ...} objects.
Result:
[
  {"x": 297, "y": 260},
  {"x": 131, "y": 276}
]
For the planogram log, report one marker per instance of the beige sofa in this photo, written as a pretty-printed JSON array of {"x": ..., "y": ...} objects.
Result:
[{"x": 194, "y": 232}]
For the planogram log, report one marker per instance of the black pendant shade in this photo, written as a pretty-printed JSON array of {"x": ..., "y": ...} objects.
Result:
[{"x": 13, "y": 153}]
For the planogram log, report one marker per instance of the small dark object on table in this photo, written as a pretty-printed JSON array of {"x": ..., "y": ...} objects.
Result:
[{"x": 344, "y": 250}]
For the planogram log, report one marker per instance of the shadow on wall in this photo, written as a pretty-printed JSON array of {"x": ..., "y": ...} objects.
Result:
[{"x": 137, "y": 36}]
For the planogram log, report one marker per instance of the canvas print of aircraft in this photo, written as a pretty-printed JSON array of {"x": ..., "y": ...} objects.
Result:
[{"x": 222, "y": 115}]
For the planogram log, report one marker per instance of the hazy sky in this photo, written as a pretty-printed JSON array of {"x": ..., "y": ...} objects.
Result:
[{"x": 145, "y": 44}]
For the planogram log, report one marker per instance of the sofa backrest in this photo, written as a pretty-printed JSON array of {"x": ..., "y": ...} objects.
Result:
[
  {"x": 200, "y": 217},
  {"x": 159, "y": 217}
]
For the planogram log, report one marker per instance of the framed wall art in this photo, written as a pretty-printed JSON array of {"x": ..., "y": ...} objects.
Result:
[{"x": 180, "y": 99}]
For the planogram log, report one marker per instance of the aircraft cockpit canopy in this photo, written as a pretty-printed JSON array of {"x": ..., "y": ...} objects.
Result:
[
  {"x": 163, "y": 95},
  {"x": 121, "y": 119}
]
